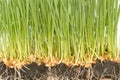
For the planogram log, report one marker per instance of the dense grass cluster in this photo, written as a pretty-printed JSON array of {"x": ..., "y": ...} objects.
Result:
[{"x": 58, "y": 28}]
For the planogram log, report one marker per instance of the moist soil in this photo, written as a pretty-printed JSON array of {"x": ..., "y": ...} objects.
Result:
[{"x": 101, "y": 70}]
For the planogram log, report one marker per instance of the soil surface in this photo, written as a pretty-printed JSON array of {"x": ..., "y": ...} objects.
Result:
[{"x": 101, "y": 70}]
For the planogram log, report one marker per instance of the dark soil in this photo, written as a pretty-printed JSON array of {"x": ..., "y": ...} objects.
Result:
[{"x": 105, "y": 70}]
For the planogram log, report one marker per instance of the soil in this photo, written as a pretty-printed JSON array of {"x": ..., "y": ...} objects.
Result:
[{"x": 101, "y": 70}]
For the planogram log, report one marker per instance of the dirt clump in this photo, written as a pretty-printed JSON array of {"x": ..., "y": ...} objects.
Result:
[{"x": 101, "y": 70}]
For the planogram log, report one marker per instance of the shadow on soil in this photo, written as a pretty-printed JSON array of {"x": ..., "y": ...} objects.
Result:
[{"x": 105, "y": 70}]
